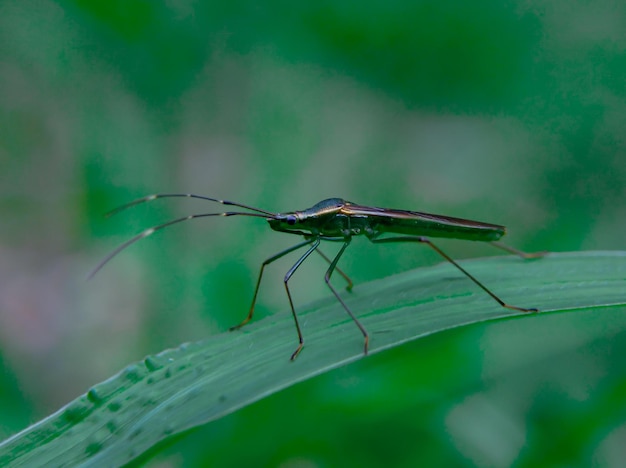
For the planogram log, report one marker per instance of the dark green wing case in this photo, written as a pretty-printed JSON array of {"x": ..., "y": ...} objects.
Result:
[{"x": 423, "y": 224}]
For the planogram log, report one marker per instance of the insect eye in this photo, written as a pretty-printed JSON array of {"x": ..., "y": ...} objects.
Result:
[{"x": 291, "y": 220}]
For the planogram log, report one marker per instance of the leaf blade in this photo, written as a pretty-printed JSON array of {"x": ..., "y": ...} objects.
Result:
[{"x": 198, "y": 382}]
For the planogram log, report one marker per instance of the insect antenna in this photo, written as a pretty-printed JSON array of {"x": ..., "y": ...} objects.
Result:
[
  {"x": 258, "y": 214},
  {"x": 152, "y": 197}
]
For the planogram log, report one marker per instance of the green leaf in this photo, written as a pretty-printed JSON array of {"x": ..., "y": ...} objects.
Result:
[{"x": 121, "y": 418}]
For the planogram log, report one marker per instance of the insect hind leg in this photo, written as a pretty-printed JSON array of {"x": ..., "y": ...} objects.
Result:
[
  {"x": 519, "y": 253},
  {"x": 425, "y": 240}
]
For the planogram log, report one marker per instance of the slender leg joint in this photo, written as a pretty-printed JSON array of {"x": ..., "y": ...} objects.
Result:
[
  {"x": 520, "y": 309},
  {"x": 297, "y": 351},
  {"x": 237, "y": 327}
]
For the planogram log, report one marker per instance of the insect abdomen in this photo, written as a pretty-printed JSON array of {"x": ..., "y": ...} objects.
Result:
[{"x": 443, "y": 227}]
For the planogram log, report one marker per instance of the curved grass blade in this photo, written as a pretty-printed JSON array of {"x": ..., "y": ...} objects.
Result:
[{"x": 119, "y": 419}]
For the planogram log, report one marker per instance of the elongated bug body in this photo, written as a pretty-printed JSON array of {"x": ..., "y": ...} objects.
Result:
[
  {"x": 337, "y": 220},
  {"x": 335, "y": 217}
]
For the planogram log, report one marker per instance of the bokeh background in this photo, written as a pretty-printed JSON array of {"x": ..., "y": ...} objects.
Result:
[{"x": 510, "y": 112}]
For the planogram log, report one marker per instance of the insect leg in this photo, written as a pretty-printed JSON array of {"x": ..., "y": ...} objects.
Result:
[
  {"x": 332, "y": 268},
  {"x": 258, "y": 281},
  {"x": 425, "y": 240},
  {"x": 346, "y": 277},
  {"x": 519, "y": 253},
  {"x": 316, "y": 243}
]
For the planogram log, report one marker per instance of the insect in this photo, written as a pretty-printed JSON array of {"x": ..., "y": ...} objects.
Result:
[{"x": 339, "y": 221}]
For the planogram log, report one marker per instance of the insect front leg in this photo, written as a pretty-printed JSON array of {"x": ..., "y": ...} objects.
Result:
[
  {"x": 316, "y": 243},
  {"x": 258, "y": 281},
  {"x": 425, "y": 240}
]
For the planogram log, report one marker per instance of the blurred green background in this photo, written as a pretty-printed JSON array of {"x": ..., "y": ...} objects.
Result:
[{"x": 510, "y": 112}]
